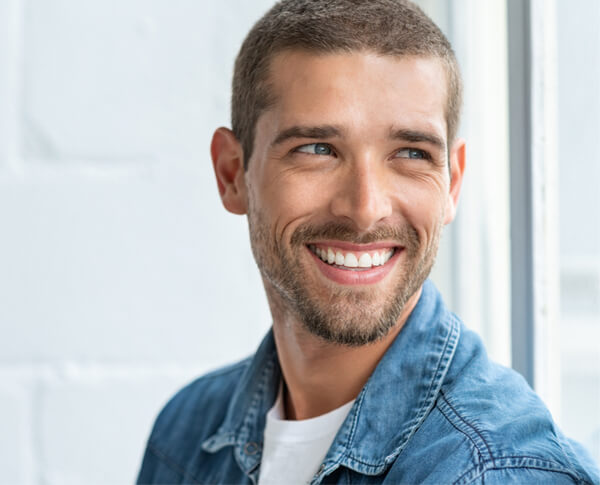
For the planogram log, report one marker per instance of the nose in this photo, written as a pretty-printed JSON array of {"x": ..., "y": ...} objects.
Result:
[{"x": 363, "y": 195}]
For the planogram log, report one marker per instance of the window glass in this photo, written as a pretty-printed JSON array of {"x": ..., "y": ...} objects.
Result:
[{"x": 579, "y": 219}]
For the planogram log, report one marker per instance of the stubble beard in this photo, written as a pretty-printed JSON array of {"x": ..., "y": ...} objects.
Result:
[{"x": 344, "y": 316}]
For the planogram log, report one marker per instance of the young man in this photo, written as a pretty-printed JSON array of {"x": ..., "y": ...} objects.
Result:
[{"x": 344, "y": 157}]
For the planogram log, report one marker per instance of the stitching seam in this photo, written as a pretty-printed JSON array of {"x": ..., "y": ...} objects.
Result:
[
  {"x": 480, "y": 458},
  {"x": 468, "y": 425},
  {"x": 549, "y": 467}
]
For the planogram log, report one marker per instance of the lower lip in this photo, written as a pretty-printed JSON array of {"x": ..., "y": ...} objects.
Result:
[{"x": 356, "y": 276}]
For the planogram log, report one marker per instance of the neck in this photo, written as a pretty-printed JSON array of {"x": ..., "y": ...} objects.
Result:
[{"x": 321, "y": 376}]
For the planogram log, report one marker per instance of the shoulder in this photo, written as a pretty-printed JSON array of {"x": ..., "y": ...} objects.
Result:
[
  {"x": 196, "y": 411},
  {"x": 192, "y": 415},
  {"x": 509, "y": 432}
]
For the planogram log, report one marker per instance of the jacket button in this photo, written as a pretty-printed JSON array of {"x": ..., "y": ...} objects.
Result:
[
  {"x": 322, "y": 468},
  {"x": 251, "y": 448}
]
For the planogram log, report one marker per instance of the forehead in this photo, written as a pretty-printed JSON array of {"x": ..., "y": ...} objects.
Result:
[{"x": 358, "y": 90}]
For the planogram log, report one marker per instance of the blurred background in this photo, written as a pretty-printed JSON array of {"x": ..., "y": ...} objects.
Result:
[{"x": 122, "y": 277}]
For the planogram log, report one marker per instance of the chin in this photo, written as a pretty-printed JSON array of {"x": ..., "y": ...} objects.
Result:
[{"x": 352, "y": 317}]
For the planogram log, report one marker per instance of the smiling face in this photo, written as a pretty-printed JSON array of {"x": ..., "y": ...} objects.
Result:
[{"x": 347, "y": 189}]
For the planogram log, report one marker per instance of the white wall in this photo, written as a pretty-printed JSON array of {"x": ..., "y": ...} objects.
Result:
[{"x": 116, "y": 257}]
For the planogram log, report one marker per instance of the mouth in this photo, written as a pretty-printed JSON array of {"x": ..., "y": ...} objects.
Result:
[
  {"x": 350, "y": 264},
  {"x": 352, "y": 260}
]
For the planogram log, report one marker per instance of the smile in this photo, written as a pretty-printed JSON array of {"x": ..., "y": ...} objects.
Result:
[
  {"x": 352, "y": 259},
  {"x": 350, "y": 264}
]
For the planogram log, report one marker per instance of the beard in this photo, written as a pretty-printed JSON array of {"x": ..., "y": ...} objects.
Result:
[{"x": 340, "y": 315}]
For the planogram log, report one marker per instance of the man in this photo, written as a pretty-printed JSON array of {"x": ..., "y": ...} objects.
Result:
[{"x": 344, "y": 157}]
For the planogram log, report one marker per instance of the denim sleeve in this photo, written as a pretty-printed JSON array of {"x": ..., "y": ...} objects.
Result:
[{"x": 525, "y": 476}]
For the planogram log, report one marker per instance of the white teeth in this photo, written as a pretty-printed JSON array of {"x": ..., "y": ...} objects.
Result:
[
  {"x": 365, "y": 261},
  {"x": 350, "y": 261},
  {"x": 376, "y": 259}
]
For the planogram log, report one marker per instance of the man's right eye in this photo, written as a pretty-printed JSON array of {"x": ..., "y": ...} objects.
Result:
[{"x": 315, "y": 149}]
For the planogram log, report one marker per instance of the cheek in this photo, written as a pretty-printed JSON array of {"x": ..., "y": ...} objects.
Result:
[
  {"x": 422, "y": 203},
  {"x": 292, "y": 200}
]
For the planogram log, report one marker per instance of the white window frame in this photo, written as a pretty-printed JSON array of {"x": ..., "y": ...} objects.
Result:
[{"x": 534, "y": 195}]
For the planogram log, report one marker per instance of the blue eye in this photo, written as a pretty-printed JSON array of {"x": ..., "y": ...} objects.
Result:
[
  {"x": 315, "y": 149},
  {"x": 413, "y": 153}
]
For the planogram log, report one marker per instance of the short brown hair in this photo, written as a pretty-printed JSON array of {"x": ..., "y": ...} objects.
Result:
[{"x": 388, "y": 27}]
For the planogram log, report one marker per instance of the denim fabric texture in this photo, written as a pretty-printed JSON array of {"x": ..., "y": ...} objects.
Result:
[{"x": 434, "y": 411}]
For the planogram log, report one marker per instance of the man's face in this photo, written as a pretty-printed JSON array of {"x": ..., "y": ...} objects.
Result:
[{"x": 348, "y": 188}]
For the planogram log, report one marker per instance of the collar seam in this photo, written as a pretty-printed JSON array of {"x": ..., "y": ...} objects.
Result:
[{"x": 244, "y": 430}]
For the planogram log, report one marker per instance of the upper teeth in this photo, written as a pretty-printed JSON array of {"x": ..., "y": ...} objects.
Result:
[{"x": 350, "y": 259}]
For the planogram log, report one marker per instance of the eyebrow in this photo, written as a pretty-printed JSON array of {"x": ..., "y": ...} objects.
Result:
[
  {"x": 322, "y": 131},
  {"x": 330, "y": 131},
  {"x": 418, "y": 137}
]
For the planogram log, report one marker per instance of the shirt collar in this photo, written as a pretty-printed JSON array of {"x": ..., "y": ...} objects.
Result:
[
  {"x": 390, "y": 408},
  {"x": 245, "y": 419}
]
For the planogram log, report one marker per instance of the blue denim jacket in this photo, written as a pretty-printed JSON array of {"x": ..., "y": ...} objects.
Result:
[{"x": 434, "y": 411}]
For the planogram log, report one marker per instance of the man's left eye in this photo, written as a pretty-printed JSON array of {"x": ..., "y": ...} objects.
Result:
[
  {"x": 315, "y": 149},
  {"x": 413, "y": 153}
]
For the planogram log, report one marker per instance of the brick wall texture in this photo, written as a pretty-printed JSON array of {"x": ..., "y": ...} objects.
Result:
[{"x": 121, "y": 276}]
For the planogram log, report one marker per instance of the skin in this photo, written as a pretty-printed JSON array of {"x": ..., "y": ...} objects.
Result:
[{"x": 371, "y": 179}]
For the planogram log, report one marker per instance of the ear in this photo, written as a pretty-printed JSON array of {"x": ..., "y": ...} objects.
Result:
[
  {"x": 227, "y": 157},
  {"x": 457, "y": 170}
]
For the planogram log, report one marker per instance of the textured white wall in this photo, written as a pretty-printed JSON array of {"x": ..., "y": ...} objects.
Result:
[{"x": 116, "y": 257}]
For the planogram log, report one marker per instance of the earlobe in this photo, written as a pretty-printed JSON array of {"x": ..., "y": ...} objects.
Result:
[
  {"x": 457, "y": 170},
  {"x": 227, "y": 157}
]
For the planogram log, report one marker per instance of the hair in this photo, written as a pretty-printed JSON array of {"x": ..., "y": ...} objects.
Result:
[{"x": 387, "y": 27}]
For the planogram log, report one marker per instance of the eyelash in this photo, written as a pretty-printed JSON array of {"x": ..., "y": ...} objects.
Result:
[{"x": 424, "y": 154}]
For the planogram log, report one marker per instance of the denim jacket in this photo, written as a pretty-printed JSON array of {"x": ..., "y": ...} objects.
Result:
[{"x": 434, "y": 411}]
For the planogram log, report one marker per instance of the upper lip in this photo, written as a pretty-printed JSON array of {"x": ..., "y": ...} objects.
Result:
[{"x": 355, "y": 247}]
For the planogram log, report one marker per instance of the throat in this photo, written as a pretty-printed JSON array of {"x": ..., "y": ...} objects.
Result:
[{"x": 320, "y": 377}]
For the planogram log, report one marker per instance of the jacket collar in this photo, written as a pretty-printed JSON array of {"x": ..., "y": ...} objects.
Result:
[
  {"x": 245, "y": 419},
  {"x": 390, "y": 408}
]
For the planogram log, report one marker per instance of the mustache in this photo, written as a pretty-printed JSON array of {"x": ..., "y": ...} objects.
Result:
[{"x": 405, "y": 234}]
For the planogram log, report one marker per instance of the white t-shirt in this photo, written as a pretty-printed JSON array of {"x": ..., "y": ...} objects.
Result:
[{"x": 294, "y": 450}]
